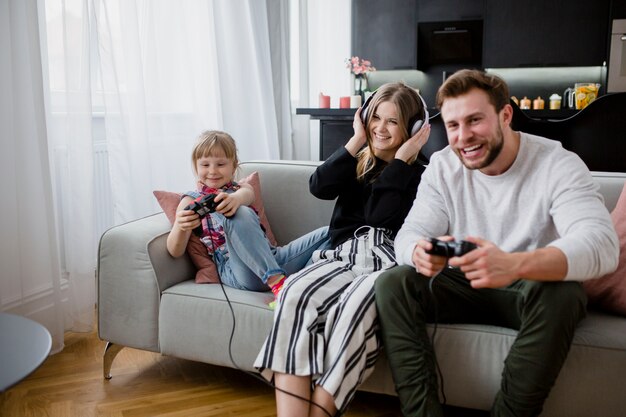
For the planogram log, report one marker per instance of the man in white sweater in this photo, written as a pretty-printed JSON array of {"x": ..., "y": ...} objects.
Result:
[{"x": 540, "y": 227}]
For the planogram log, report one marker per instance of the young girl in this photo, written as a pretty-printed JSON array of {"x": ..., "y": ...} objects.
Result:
[
  {"x": 325, "y": 327},
  {"x": 232, "y": 234}
]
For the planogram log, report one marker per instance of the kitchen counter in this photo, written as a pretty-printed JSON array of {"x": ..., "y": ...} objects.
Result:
[
  {"x": 348, "y": 114},
  {"x": 336, "y": 126}
]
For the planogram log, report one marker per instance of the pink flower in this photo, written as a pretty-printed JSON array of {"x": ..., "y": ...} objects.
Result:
[{"x": 358, "y": 66}]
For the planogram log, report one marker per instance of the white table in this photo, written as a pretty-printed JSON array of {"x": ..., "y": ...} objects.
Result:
[{"x": 24, "y": 345}]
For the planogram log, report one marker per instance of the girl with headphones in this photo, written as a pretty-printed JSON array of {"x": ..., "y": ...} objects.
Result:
[{"x": 325, "y": 338}]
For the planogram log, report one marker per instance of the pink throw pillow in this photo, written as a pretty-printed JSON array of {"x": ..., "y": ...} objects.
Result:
[
  {"x": 609, "y": 292},
  {"x": 207, "y": 271}
]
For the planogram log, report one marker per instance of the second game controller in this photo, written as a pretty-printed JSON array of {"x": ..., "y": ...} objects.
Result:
[
  {"x": 450, "y": 249},
  {"x": 202, "y": 206}
]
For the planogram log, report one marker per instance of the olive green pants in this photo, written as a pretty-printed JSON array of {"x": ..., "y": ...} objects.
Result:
[{"x": 544, "y": 313}]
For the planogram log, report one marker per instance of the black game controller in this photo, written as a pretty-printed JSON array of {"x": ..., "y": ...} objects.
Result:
[
  {"x": 450, "y": 249},
  {"x": 202, "y": 206}
]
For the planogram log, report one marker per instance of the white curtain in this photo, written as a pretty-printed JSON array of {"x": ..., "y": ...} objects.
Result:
[
  {"x": 328, "y": 23},
  {"x": 321, "y": 44},
  {"x": 30, "y": 279},
  {"x": 103, "y": 109},
  {"x": 172, "y": 69}
]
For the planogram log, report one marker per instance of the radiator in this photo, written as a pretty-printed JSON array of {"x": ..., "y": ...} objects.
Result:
[{"x": 103, "y": 199}]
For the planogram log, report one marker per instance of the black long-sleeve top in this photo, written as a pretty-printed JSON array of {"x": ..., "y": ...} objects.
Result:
[{"x": 382, "y": 203}]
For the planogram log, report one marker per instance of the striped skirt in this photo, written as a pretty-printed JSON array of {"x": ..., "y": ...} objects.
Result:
[{"x": 325, "y": 323}]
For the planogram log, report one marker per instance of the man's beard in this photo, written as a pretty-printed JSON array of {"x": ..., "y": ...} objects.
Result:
[{"x": 493, "y": 152}]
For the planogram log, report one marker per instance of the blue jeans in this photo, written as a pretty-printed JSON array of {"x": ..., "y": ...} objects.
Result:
[{"x": 251, "y": 259}]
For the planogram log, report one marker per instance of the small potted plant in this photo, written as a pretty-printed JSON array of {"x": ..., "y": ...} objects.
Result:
[{"x": 359, "y": 68}]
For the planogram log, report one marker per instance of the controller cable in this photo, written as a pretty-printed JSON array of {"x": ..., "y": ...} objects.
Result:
[
  {"x": 232, "y": 336},
  {"x": 435, "y": 325}
]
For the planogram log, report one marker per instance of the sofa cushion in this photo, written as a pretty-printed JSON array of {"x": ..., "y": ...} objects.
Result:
[
  {"x": 609, "y": 292},
  {"x": 196, "y": 322},
  {"x": 206, "y": 270}
]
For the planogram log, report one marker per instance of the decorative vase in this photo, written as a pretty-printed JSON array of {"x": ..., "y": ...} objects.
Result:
[{"x": 360, "y": 85}]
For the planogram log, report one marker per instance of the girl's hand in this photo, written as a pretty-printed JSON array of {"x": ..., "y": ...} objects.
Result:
[
  {"x": 186, "y": 220},
  {"x": 413, "y": 145},
  {"x": 359, "y": 138},
  {"x": 358, "y": 125},
  {"x": 227, "y": 204}
]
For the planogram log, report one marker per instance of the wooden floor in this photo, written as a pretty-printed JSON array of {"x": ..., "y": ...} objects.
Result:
[{"x": 70, "y": 384}]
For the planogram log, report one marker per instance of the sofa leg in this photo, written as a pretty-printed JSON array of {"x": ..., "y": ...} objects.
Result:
[{"x": 110, "y": 352}]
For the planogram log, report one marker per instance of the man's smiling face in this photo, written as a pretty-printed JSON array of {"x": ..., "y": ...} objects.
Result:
[{"x": 474, "y": 129}]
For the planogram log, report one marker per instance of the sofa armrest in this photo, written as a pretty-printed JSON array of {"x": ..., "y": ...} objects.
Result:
[{"x": 134, "y": 267}]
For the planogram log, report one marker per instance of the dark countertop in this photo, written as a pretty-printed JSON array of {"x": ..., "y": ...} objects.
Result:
[
  {"x": 347, "y": 114},
  {"x": 327, "y": 114}
]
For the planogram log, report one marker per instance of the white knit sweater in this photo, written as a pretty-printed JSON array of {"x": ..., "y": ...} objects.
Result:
[{"x": 546, "y": 198}]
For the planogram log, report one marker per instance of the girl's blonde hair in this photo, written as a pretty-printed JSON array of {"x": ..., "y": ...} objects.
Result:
[
  {"x": 214, "y": 143},
  {"x": 409, "y": 106}
]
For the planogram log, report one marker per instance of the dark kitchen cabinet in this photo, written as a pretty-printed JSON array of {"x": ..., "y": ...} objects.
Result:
[
  {"x": 445, "y": 10},
  {"x": 334, "y": 134},
  {"x": 556, "y": 33},
  {"x": 385, "y": 32},
  {"x": 532, "y": 33}
]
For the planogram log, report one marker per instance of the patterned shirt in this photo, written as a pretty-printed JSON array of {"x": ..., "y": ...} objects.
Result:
[{"x": 213, "y": 236}]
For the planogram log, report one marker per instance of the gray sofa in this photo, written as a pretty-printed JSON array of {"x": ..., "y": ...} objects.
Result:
[{"x": 148, "y": 300}]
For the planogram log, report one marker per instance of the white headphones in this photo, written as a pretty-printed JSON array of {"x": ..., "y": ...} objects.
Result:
[{"x": 415, "y": 123}]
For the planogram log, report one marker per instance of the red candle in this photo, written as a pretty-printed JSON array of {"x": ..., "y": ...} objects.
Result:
[
  {"x": 344, "y": 102},
  {"x": 324, "y": 101}
]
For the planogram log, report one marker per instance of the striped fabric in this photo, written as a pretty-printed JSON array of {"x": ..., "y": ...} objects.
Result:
[{"x": 325, "y": 324}]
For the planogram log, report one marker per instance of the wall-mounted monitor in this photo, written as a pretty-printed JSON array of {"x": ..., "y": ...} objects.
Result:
[{"x": 449, "y": 43}]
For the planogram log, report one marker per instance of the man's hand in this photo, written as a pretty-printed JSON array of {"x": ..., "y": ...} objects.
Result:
[
  {"x": 488, "y": 266},
  {"x": 426, "y": 264}
]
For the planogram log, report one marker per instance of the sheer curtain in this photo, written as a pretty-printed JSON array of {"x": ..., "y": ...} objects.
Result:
[
  {"x": 30, "y": 279},
  {"x": 320, "y": 44},
  {"x": 170, "y": 70},
  {"x": 103, "y": 109}
]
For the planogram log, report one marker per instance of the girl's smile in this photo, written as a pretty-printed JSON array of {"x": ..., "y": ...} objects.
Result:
[{"x": 215, "y": 171}]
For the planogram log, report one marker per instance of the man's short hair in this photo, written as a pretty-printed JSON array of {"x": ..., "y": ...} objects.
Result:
[{"x": 461, "y": 82}]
